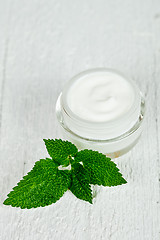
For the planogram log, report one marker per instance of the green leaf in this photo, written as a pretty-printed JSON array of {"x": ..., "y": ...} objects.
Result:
[
  {"x": 42, "y": 186},
  {"x": 80, "y": 183},
  {"x": 45, "y": 183},
  {"x": 102, "y": 170},
  {"x": 60, "y": 151}
]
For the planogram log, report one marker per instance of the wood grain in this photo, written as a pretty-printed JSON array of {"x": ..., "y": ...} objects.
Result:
[{"x": 42, "y": 45}]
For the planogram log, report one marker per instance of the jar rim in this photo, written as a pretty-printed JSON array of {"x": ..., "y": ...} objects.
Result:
[{"x": 107, "y": 124}]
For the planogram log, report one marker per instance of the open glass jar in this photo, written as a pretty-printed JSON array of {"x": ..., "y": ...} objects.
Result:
[{"x": 112, "y": 136}]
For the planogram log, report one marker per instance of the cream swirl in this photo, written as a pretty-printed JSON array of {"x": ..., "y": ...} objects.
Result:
[{"x": 100, "y": 96}]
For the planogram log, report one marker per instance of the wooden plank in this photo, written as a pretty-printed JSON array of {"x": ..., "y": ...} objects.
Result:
[{"x": 42, "y": 45}]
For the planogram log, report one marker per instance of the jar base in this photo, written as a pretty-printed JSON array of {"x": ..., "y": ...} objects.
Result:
[
  {"x": 101, "y": 147},
  {"x": 112, "y": 148}
]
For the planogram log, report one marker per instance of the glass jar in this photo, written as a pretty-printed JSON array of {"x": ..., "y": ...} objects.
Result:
[{"x": 113, "y": 138}]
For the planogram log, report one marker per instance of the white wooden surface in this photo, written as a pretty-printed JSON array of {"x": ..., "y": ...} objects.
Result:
[{"x": 42, "y": 45}]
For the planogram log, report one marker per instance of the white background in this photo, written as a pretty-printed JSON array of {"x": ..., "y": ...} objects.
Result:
[{"x": 43, "y": 43}]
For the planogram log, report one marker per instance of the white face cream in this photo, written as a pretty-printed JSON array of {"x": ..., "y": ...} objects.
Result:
[
  {"x": 100, "y": 96},
  {"x": 98, "y": 109}
]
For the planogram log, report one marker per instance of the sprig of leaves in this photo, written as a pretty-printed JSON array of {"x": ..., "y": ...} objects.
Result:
[{"x": 45, "y": 183}]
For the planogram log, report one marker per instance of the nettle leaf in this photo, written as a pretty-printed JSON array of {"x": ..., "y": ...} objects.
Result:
[
  {"x": 80, "y": 183},
  {"x": 61, "y": 151},
  {"x": 101, "y": 169},
  {"x": 42, "y": 186}
]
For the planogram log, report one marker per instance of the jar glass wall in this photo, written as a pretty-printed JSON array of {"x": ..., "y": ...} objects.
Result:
[{"x": 113, "y": 138}]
